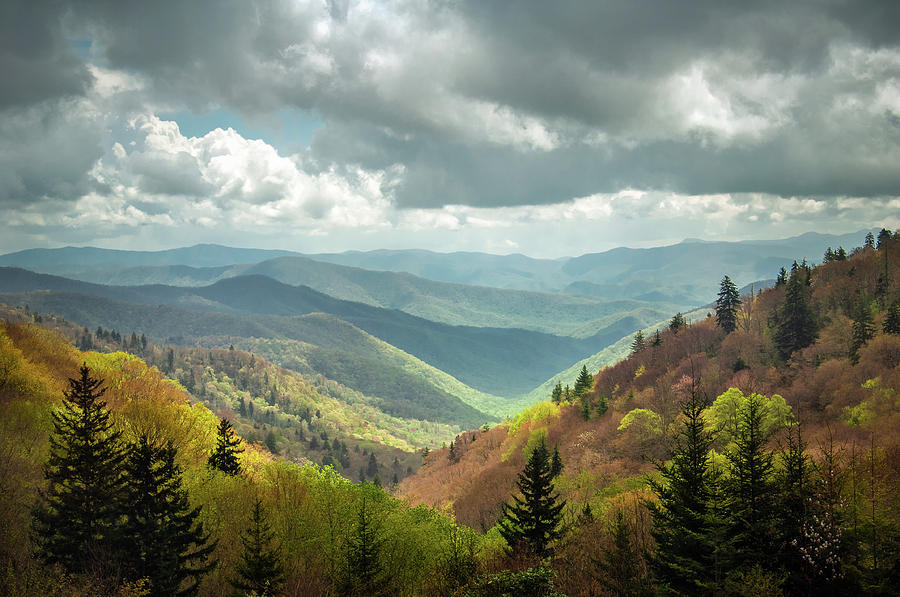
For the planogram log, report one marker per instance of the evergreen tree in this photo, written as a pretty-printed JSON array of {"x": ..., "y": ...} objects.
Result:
[
  {"x": 79, "y": 520},
  {"x": 556, "y": 465},
  {"x": 863, "y": 329},
  {"x": 829, "y": 256},
  {"x": 584, "y": 383},
  {"x": 727, "y": 305},
  {"x": 870, "y": 240},
  {"x": 585, "y": 407},
  {"x": 638, "y": 344},
  {"x": 750, "y": 490},
  {"x": 260, "y": 569},
  {"x": 796, "y": 327},
  {"x": 677, "y": 322},
  {"x": 657, "y": 339},
  {"x": 556, "y": 396},
  {"x": 686, "y": 523},
  {"x": 224, "y": 457},
  {"x": 781, "y": 280},
  {"x": 365, "y": 574},
  {"x": 372, "y": 468},
  {"x": 794, "y": 494},
  {"x": 164, "y": 541},
  {"x": 619, "y": 563},
  {"x": 451, "y": 455},
  {"x": 530, "y": 524},
  {"x": 891, "y": 323},
  {"x": 883, "y": 237},
  {"x": 170, "y": 362}
]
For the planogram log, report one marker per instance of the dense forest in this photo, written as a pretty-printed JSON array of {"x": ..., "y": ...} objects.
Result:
[{"x": 753, "y": 452}]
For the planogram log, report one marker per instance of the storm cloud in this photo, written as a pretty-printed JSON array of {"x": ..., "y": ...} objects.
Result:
[{"x": 436, "y": 111}]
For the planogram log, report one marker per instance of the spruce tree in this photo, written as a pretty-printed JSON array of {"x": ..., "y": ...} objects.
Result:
[
  {"x": 677, "y": 322},
  {"x": 556, "y": 464},
  {"x": 891, "y": 323},
  {"x": 870, "y": 240},
  {"x": 657, "y": 339},
  {"x": 638, "y": 344},
  {"x": 531, "y": 524},
  {"x": 556, "y": 396},
  {"x": 224, "y": 457},
  {"x": 796, "y": 327},
  {"x": 750, "y": 490},
  {"x": 78, "y": 522},
  {"x": 584, "y": 383},
  {"x": 620, "y": 563},
  {"x": 686, "y": 521},
  {"x": 260, "y": 569},
  {"x": 862, "y": 331},
  {"x": 727, "y": 305},
  {"x": 365, "y": 573},
  {"x": 164, "y": 541}
]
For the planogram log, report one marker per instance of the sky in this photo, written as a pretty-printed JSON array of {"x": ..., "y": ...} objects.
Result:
[{"x": 544, "y": 128}]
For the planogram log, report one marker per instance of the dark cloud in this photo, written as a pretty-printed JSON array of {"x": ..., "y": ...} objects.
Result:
[{"x": 36, "y": 61}]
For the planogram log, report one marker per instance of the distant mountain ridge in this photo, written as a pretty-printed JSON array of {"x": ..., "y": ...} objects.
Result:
[{"x": 500, "y": 361}]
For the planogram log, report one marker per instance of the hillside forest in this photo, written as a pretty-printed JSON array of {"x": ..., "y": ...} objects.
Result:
[{"x": 753, "y": 451}]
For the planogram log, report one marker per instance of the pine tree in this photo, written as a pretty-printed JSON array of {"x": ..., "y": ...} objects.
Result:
[
  {"x": 164, "y": 541},
  {"x": 365, "y": 574},
  {"x": 727, "y": 305},
  {"x": 620, "y": 562},
  {"x": 530, "y": 524},
  {"x": 677, "y": 322},
  {"x": 657, "y": 339},
  {"x": 556, "y": 465},
  {"x": 781, "y": 280},
  {"x": 372, "y": 468},
  {"x": 224, "y": 457},
  {"x": 796, "y": 327},
  {"x": 451, "y": 455},
  {"x": 883, "y": 238},
  {"x": 794, "y": 493},
  {"x": 584, "y": 383},
  {"x": 863, "y": 329},
  {"x": 260, "y": 568},
  {"x": 750, "y": 490},
  {"x": 638, "y": 344},
  {"x": 556, "y": 396},
  {"x": 870, "y": 240},
  {"x": 891, "y": 323},
  {"x": 686, "y": 522},
  {"x": 79, "y": 521}
]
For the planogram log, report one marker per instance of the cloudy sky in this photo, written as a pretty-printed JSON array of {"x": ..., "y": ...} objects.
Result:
[{"x": 547, "y": 128}]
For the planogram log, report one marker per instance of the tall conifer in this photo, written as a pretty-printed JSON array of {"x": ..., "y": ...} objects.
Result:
[
  {"x": 260, "y": 569},
  {"x": 164, "y": 541},
  {"x": 224, "y": 457},
  {"x": 78, "y": 522},
  {"x": 531, "y": 523},
  {"x": 727, "y": 305}
]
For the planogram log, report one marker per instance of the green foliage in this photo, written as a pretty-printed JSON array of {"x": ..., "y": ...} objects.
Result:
[
  {"x": 648, "y": 421},
  {"x": 78, "y": 522},
  {"x": 863, "y": 329},
  {"x": 727, "y": 305},
  {"x": 686, "y": 519},
  {"x": 584, "y": 383},
  {"x": 891, "y": 323},
  {"x": 724, "y": 415},
  {"x": 364, "y": 572},
  {"x": 163, "y": 541},
  {"x": 539, "y": 411},
  {"x": 224, "y": 456},
  {"x": 795, "y": 324},
  {"x": 260, "y": 568},
  {"x": 677, "y": 323},
  {"x": 638, "y": 344},
  {"x": 530, "y": 524},
  {"x": 534, "y": 582},
  {"x": 619, "y": 563}
]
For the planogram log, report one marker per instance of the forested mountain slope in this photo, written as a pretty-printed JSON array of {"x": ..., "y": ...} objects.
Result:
[
  {"x": 499, "y": 361},
  {"x": 310, "y": 514},
  {"x": 821, "y": 348}
]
